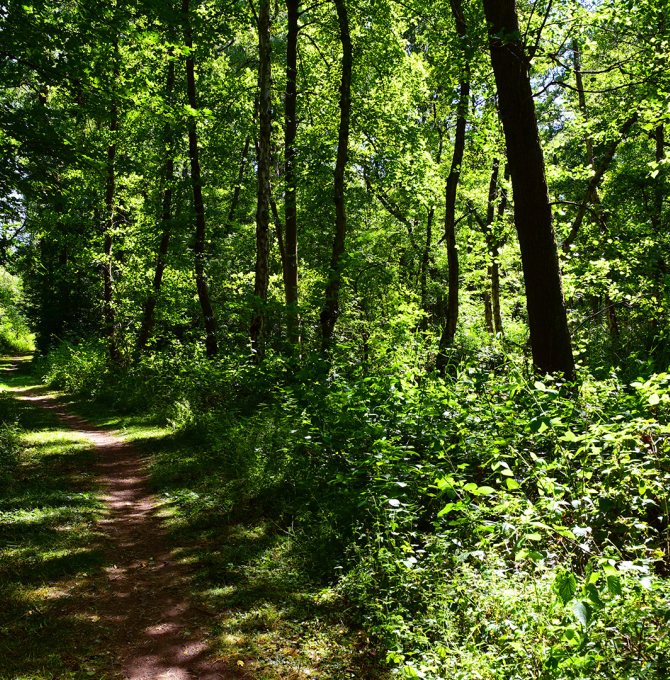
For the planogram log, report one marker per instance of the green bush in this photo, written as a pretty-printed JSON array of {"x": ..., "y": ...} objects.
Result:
[
  {"x": 485, "y": 525},
  {"x": 79, "y": 368},
  {"x": 15, "y": 336},
  {"x": 9, "y": 438}
]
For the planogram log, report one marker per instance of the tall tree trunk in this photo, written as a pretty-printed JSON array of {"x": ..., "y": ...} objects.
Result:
[
  {"x": 490, "y": 245},
  {"x": 331, "y": 310},
  {"x": 110, "y": 194},
  {"x": 198, "y": 204},
  {"x": 168, "y": 175},
  {"x": 450, "y": 199},
  {"x": 425, "y": 263},
  {"x": 290, "y": 205},
  {"x": 549, "y": 334},
  {"x": 425, "y": 260},
  {"x": 493, "y": 244},
  {"x": 262, "y": 272}
]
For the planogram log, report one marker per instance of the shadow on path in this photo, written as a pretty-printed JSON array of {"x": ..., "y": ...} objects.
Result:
[{"x": 157, "y": 631}]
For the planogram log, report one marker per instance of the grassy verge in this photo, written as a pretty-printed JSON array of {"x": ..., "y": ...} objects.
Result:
[
  {"x": 269, "y": 618},
  {"x": 49, "y": 548}
]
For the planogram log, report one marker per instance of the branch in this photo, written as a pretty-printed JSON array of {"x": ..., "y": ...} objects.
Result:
[
  {"x": 533, "y": 49},
  {"x": 393, "y": 210},
  {"x": 597, "y": 176}
]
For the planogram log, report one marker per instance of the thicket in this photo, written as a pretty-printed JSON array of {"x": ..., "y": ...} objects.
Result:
[
  {"x": 15, "y": 333},
  {"x": 488, "y": 522}
]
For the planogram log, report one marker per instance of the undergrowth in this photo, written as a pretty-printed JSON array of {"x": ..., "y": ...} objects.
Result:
[
  {"x": 49, "y": 549},
  {"x": 485, "y": 525}
]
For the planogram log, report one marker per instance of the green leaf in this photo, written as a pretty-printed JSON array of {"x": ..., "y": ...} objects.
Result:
[
  {"x": 485, "y": 490},
  {"x": 540, "y": 386},
  {"x": 610, "y": 570},
  {"x": 614, "y": 585},
  {"x": 446, "y": 509},
  {"x": 513, "y": 484},
  {"x": 565, "y": 586},
  {"x": 582, "y": 610},
  {"x": 653, "y": 399}
]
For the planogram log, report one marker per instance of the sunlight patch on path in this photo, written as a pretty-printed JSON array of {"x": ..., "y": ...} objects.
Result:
[{"x": 144, "y": 600}]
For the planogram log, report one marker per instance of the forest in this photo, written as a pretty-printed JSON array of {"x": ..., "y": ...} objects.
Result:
[{"x": 370, "y": 300}]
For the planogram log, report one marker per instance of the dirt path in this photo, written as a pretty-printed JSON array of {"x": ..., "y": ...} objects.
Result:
[{"x": 156, "y": 631}]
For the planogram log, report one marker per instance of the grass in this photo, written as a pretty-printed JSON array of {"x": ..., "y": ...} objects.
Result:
[
  {"x": 49, "y": 547},
  {"x": 269, "y": 618}
]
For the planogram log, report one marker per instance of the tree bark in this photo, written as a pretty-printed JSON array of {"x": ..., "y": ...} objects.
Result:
[
  {"x": 449, "y": 330},
  {"x": 491, "y": 246},
  {"x": 262, "y": 272},
  {"x": 290, "y": 205},
  {"x": 331, "y": 310},
  {"x": 211, "y": 345},
  {"x": 549, "y": 334},
  {"x": 168, "y": 174},
  {"x": 425, "y": 260}
]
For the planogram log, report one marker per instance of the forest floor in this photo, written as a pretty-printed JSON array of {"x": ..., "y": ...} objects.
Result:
[{"x": 104, "y": 575}]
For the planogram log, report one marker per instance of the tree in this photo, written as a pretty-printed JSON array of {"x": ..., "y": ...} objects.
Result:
[
  {"x": 547, "y": 319},
  {"x": 452, "y": 185},
  {"x": 331, "y": 309},
  {"x": 198, "y": 204},
  {"x": 264, "y": 159}
]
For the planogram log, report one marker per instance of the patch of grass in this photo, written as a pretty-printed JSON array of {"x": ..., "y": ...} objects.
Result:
[
  {"x": 49, "y": 550},
  {"x": 268, "y": 617}
]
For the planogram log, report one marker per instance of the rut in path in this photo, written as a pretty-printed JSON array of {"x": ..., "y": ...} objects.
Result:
[{"x": 156, "y": 631}]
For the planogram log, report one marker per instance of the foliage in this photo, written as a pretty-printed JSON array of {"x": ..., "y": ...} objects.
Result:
[
  {"x": 15, "y": 335},
  {"x": 472, "y": 519},
  {"x": 486, "y": 522}
]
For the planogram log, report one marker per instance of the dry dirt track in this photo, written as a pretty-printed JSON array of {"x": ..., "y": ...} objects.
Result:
[{"x": 156, "y": 632}]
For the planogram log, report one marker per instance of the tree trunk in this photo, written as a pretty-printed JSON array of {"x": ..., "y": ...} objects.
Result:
[
  {"x": 290, "y": 206},
  {"x": 450, "y": 199},
  {"x": 549, "y": 334},
  {"x": 493, "y": 244},
  {"x": 490, "y": 245},
  {"x": 499, "y": 241},
  {"x": 262, "y": 272},
  {"x": 425, "y": 261},
  {"x": 168, "y": 173},
  {"x": 198, "y": 204},
  {"x": 331, "y": 310}
]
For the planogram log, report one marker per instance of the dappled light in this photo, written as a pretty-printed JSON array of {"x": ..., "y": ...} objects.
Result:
[{"x": 337, "y": 340}]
